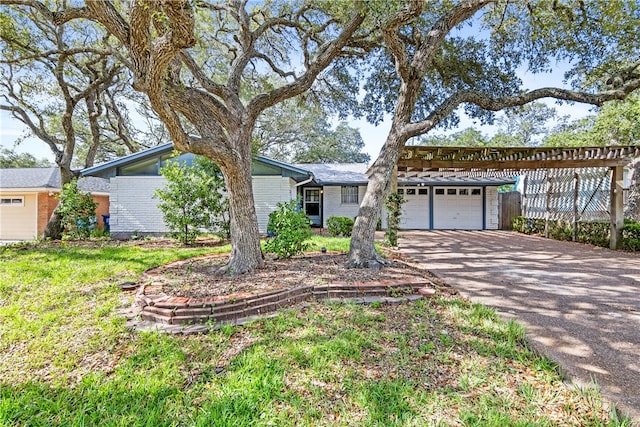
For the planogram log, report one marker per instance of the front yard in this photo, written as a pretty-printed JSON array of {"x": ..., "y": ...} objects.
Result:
[{"x": 67, "y": 358}]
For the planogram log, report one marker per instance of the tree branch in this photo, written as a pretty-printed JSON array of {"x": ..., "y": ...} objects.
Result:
[{"x": 495, "y": 104}]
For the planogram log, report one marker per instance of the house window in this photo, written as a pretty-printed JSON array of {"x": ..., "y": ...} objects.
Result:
[
  {"x": 423, "y": 191},
  {"x": 451, "y": 191},
  {"x": 349, "y": 195},
  {"x": 411, "y": 191},
  {"x": 12, "y": 201},
  {"x": 439, "y": 191},
  {"x": 463, "y": 192},
  {"x": 475, "y": 191},
  {"x": 401, "y": 191}
]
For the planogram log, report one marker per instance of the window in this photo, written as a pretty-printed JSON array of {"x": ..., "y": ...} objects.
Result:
[
  {"x": 440, "y": 191},
  {"x": 475, "y": 192},
  {"x": 411, "y": 191},
  {"x": 401, "y": 191},
  {"x": 423, "y": 191},
  {"x": 349, "y": 195},
  {"x": 451, "y": 191},
  {"x": 464, "y": 192},
  {"x": 12, "y": 201}
]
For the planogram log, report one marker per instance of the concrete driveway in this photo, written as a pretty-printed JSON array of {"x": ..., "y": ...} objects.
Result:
[{"x": 580, "y": 304}]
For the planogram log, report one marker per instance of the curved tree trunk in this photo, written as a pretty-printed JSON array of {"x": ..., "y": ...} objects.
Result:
[
  {"x": 246, "y": 254},
  {"x": 362, "y": 253},
  {"x": 54, "y": 228}
]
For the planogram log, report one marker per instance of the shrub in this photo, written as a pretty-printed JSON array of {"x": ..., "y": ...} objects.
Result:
[
  {"x": 631, "y": 235},
  {"x": 340, "y": 226},
  {"x": 192, "y": 201},
  {"x": 393, "y": 203},
  {"x": 290, "y": 228},
  {"x": 77, "y": 210}
]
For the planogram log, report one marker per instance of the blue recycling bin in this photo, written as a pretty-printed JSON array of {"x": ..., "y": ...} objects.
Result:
[{"x": 105, "y": 221}]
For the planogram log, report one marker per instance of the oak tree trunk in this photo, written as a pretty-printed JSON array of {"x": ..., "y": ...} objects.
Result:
[
  {"x": 362, "y": 252},
  {"x": 246, "y": 254},
  {"x": 54, "y": 229}
]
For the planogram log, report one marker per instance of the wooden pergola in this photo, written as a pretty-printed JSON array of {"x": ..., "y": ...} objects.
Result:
[{"x": 423, "y": 161}]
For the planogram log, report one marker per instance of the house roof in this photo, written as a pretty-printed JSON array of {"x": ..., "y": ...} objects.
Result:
[
  {"x": 337, "y": 173},
  {"x": 356, "y": 174},
  {"x": 46, "y": 178}
]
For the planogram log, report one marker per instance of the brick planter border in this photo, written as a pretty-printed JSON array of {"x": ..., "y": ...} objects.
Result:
[{"x": 170, "y": 310}]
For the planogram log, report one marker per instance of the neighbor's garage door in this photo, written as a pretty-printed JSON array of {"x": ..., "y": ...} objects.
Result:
[
  {"x": 457, "y": 208},
  {"x": 415, "y": 209}
]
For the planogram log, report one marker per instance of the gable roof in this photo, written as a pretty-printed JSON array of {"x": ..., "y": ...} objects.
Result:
[
  {"x": 46, "y": 179},
  {"x": 109, "y": 168}
]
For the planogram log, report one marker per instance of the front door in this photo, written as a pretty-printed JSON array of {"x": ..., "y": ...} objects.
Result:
[{"x": 311, "y": 205}]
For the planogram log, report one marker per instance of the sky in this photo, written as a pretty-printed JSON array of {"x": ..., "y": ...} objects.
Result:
[{"x": 373, "y": 136}]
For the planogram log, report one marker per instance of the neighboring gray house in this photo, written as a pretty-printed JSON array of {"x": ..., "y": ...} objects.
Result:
[{"x": 325, "y": 189}]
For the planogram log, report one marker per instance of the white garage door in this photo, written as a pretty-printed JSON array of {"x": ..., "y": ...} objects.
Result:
[
  {"x": 457, "y": 208},
  {"x": 415, "y": 209}
]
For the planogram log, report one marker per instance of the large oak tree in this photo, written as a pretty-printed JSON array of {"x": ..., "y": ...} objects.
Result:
[
  {"x": 197, "y": 61},
  {"x": 446, "y": 55}
]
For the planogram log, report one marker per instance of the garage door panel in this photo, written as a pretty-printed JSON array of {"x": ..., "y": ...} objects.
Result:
[
  {"x": 458, "y": 208},
  {"x": 415, "y": 209}
]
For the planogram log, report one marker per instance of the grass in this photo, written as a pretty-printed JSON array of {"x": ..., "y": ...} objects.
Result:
[{"x": 66, "y": 358}]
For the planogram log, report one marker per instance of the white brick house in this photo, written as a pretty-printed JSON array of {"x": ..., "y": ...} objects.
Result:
[{"x": 325, "y": 190}]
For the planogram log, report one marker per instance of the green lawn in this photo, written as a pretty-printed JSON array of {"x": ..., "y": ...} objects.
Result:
[{"x": 66, "y": 357}]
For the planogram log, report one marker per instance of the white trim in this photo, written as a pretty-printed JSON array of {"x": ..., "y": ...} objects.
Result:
[{"x": 36, "y": 211}]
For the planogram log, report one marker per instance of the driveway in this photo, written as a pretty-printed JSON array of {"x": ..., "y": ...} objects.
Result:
[{"x": 580, "y": 304}]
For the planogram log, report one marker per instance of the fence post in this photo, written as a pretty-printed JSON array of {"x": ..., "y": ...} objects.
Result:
[
  {"x": 576, "y": 183},
  {"x": 617, "y": 206}
]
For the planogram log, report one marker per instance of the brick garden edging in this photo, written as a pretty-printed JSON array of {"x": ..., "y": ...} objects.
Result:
[{"x": 170, "y": 310}]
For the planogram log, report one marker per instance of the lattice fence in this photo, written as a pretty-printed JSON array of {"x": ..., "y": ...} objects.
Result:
[{"x": 568, "y": 194}]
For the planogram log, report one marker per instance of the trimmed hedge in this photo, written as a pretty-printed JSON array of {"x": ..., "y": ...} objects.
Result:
[
  {"x": 340, "y": 226},
  {"x": 595, "y": 232}
]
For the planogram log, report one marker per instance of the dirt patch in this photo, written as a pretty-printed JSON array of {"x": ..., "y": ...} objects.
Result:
[{"x": 200, "y": 277}]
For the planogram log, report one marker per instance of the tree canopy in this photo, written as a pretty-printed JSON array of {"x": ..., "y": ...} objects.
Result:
[{"x": 12, "y": 159}]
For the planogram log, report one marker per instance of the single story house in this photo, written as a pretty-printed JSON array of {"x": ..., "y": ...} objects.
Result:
[
  {"x": 325, "y": 189},
  {"x": 28, "y": 198}
]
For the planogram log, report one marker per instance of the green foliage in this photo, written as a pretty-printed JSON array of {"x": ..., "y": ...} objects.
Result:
[
  {"x": 291, "y": 228},
  {"x": 11, "y": 159},
  {"x": 311, "y": 140},
  {"x": 77, "y": 210},
  {"x": 631, "y": 235},
  {"x": 340, "y": 226},
  {"x": 193, "y": 200},
  {"x": 393, "y": 203},
  {"x": 592, "y": 232}
]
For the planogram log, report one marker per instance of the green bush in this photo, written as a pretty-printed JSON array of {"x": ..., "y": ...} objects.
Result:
[
  {"x": 340, "y": 226},
  {"x": 77, "y": 210},
  {"x": 393, "y": 203},
  {"x": 290, "y": 228},
  {"x": 631, "y": 235},
  {"x": 592, "y": 232},
  {"x": 192, "y": 201}
]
